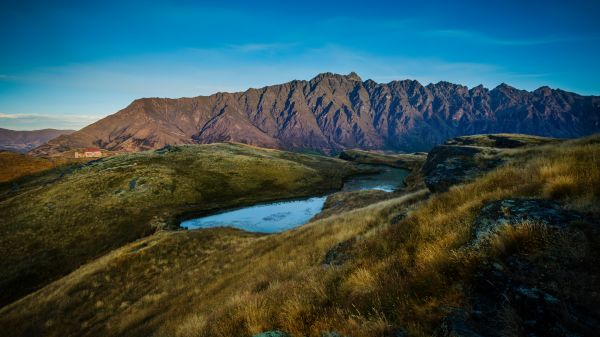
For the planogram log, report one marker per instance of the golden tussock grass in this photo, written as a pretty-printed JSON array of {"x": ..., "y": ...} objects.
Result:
[
  {"x": 15, "y": 165},
  {"x": 412, "y": 274}
]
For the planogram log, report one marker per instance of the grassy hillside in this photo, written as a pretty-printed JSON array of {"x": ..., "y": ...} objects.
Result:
[
  {"x": 60, "y": 221},
  {"x": 400, "y": 265},
  {"x": 15, "y": 165},
  {"x": 503, "y": 140},
  {"x": 407, "y": 161},
  {"x": 400, "y": 160}
]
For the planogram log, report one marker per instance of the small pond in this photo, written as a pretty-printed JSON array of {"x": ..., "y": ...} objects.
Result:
[{"x": 279, "y": 216}]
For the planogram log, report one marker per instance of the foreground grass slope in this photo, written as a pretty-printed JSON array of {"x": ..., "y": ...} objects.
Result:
[
  {"x": 400, "y": 265},
  {"x": 54, "y": 225}
]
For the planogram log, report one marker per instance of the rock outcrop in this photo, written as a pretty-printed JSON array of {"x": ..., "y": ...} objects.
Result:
[
  {"x": 511, "y": 212},
  {"x": 448, "y": 165},
  {"x": 462, "y": 159},
  {"x": 517, "y": 294}
]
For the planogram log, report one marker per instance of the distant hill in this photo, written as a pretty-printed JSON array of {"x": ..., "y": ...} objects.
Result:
[
  {"x": 333, "y": 112},
  {"x": 23, "y": 141}
]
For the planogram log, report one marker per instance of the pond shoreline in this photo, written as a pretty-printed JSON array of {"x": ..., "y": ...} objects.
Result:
[{"x": 248, "y": 217}]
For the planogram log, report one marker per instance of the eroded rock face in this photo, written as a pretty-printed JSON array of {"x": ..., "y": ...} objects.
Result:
[
  {"x": 457, "y": 324},
  {"x": 448, "y": 165},
  {"x": 332, "y": 112}
]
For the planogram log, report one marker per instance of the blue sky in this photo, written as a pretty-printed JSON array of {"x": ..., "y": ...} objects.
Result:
[{"x": 66, "y": 64}]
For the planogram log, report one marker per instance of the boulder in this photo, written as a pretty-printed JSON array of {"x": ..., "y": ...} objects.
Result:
[
  {"x": 512, "y": 212},
  {"x": 339, "y": 254}
]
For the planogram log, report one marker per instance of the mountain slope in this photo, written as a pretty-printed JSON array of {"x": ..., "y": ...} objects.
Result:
[
  {"x": 23, "y": 141},
  {"x": 332, "y": 112}
]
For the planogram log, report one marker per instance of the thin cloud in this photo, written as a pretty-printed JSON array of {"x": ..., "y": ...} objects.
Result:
[
  {"x": 531, "y": 75},
  {"x": 261, "y": 47},
  {"x": 476, "y": 37},
  {"x": 9, "y": 116},
  {"x": 4, "y": 77},
  {"x": 42, "y": 121}
]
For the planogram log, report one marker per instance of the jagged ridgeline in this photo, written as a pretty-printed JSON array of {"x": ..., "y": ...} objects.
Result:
[{"x": 333, "y": 112}]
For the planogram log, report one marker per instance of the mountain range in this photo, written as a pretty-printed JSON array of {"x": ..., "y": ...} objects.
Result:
[
  {"x": 23, "y": 141},
  {"x": 332, "y": 112}
]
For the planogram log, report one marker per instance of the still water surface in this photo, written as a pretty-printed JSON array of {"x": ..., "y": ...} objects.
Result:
[{"x": 279, "y": 216}]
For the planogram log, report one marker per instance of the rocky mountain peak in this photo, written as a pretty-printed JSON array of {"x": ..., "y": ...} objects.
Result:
[
  {"x": 333, "y": 112},
  {"x": 503, "y": 87},
  {"x": 354, "y": 77},
  {"x": 544, "y": 90},
  {"x": 328, "y": 75},
  {"x": 478, "y": 90}
]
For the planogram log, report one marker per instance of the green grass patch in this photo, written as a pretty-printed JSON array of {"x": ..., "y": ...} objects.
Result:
[{"x": 61, "y": 221}]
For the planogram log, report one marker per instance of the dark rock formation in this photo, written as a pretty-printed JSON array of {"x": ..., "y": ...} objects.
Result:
[
  {"x": 514, "y": 211},
  {"x": 448, "y": 165},
  {"x": 515, "y": 296},
  {"x": 340, "y": 253},
  {"x": 530, "y": 311},
  {"x": 462, "y": 159},
  {"x": 333, "y": 112}
]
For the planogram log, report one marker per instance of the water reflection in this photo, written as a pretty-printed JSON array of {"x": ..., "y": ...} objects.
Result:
[
  {"x": 268, "y": 218},
  {"x": 283, "y": 215}
]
